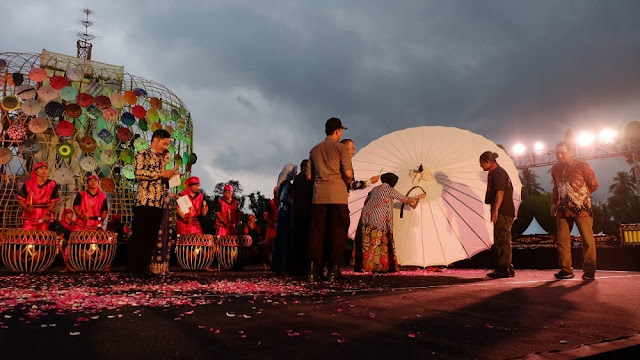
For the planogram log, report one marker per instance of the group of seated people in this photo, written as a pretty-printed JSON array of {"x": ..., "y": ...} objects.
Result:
[{"x": 39, "y": 195}]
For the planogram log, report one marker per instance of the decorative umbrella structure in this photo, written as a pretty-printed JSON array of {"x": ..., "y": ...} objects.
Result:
[
  {"x": 452, "y": 222},
  {"x": 71, "y": 113}
]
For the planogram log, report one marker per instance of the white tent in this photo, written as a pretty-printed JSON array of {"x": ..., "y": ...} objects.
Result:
[
  {"x": 534, "y": 229},
  {"x": 575, "y": 232}
]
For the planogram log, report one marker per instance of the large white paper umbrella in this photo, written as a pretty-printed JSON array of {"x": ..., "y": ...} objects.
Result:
[{"x": 452, "y": 222}]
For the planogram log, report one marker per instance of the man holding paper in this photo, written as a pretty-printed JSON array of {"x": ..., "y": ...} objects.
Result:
[{"x": 187, "y": 221}]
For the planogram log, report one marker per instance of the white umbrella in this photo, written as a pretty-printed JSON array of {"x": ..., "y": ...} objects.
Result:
[{"x": 452, "y": 222}]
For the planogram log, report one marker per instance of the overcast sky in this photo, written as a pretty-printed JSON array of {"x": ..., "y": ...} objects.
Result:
[{"x": 261, "y": 77}]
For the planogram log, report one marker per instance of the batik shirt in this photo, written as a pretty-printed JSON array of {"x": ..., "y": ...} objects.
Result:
[
  {"x": 148, "y": 168},
  {"x": 573, "y": 184},
  {"x": 377, "y": 210}
]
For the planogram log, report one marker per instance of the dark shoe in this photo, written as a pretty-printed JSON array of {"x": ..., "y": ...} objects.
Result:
[
  {"x": 498, "y": 274},
  {"x": 588, "y": 276},
  {"x": 334, "y": 273},
  {"x": 563, "y": 275}
]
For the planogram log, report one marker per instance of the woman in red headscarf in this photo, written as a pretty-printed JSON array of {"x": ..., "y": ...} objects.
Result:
[
  {"x": 90, "y": 206},
  {"x": 38, "y": 198},
  {"x": 227, "y": 213},
  {"x": 188, "y": 223}
]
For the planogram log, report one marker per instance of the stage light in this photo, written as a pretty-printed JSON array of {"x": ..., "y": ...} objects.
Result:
[
  {"x": 519, "y": 149},
  {"x": 538, "y": 147},
  {"x": 585, "y": 139},
  {"x": 608, "y": 136}
]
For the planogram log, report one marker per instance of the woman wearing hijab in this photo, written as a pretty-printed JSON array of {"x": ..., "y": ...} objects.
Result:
[
  {"x": 284, "y": 226},
  {"x": 376, "y": 223}
]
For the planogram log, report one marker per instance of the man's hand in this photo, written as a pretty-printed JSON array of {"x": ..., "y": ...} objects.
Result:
[
  {"x": 374, "y": 179},
  {"x": 494, "y": 216},
  {"x": 167, "y": 174},
  {"x": 30, "y": 209},
  {"x": 47, "y": 218}
]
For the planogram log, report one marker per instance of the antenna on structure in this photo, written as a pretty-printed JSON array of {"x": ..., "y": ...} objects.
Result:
[{"x": 84, "y": 44}]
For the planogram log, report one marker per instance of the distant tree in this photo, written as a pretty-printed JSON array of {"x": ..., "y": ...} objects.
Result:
[
  {"x": 208, "y": 221},
  {"x": 537, "y": 206},
  {"x": 623, "y": 204},
  {"x": 258, "y": 203},
  {"x": 530, "y": 184},
  {"x": 238, "y": 191}
]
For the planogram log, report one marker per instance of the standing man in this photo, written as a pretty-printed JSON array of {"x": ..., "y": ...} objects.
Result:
[
  {"x": 356, "y": 185},
  {"x": 38, "y": 198},
  {"x": 147, "y": 211},
  {"x": 573, "y": 183},
  {"x": 500, "y": 195},
  {"x": 90, "y": 206},
  {"x": 331, "y": 170}
]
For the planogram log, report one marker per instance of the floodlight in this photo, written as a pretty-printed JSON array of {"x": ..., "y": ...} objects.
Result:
[
  {"x": 519, "y": 149},
  {"x": 585, "y": 139},
  {"x": 538, "y": 147},
  {"x": 608, "y": 136}
]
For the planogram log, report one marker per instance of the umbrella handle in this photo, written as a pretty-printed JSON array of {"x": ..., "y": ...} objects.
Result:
[{"x": 409, "y": 192}]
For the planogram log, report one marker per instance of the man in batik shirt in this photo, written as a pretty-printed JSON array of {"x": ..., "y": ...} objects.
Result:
[
  {"x": 90, "y": 206},
  {"x": 38, "y": 198},
  {"x": 150, "y": 169},
  {"x": 573, "y": 183}
]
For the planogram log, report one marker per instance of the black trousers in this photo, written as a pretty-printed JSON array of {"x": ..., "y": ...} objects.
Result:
[
  {"x": 330, "y": 223},
  {"x": 146, "y": 224}
]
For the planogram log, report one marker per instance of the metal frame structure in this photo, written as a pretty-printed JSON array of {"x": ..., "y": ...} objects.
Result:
[{"x": 174, "y": 116}]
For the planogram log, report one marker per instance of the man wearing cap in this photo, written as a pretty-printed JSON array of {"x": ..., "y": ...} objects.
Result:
[
  {"x": 148, "y": 208},
  {"x": 90, "y": 206},
  {"x": 38, "y": 198},
  {"x": 227, "y": 213},
  {"x": 331, "y": 171},
  {"x": 188, "y": 223}
]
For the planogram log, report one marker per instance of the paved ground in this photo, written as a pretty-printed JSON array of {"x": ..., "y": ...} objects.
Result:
[{"x": 453, "y": 314}]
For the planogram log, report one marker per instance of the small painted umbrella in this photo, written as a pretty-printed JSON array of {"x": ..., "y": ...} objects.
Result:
[
  {"x": 3, "y": 64},
  {"x": 68, "y": 93},
  {"x": 58, "y": 82},
  {"x": 73, "y": 110},
  {"x": 37, "y": 74},
  {"x": 103, "y": 102},
  {"x": 124, "y": 134},
  {"x": 94, "y": 88},
  {"x": 117, "y": 100},
  {"x": 10, "y": 103},
  {"x": 108, "y": 157},
  {"x": 65, "y": 128},
  {"x": 130, "y": 97},
  {"x": 38, "y": 125},
  {"x": 25, "y": 91},
  {"x": 94, "y": 112},
  {"x": 54, "y": 109},
  {"x": 127, "y": 118},
  {"x": 140, "y": 144},
  {"x": 65, "y": 150},
  {"x": 84, "y": 99},
  {"x": 128, "y": 172},
  {"x": 106, "y": 136},
  {"x": 31, "y": 107},
  {"x": 16, "y": 131},
  {"x": 110, "y": 114},
  {"x": 6, "y": 155},
  {"x": 75, "y": 73},
  {"x": 46, "y": 93},
  {"x": 193, "y": 158},
  {"x": 17, "y": 79},
  {"x": 87, "y": 144},
  {"x": 63, "y": 176},
  {"x": 152, "y": 115},
  {"x": 29, "y": 147},
  {"x": 107, "y": 185},
  {"x": 155, "y": 103},
  {"x": 140, "y": 92},
  {"x": 138, "y": 111},
  {"x": 88, "y": 163},
  {"x": 127, "y": 156}
]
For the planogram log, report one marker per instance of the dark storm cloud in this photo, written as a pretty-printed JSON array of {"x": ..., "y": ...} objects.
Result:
[{"x": 260, "y": 78}]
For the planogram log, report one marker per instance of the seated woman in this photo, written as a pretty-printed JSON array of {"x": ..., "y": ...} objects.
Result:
[{"x": 376, "y": 223}]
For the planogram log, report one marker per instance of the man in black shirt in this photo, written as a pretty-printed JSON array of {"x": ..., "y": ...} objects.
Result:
[{"x": 500, "y": 196}]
